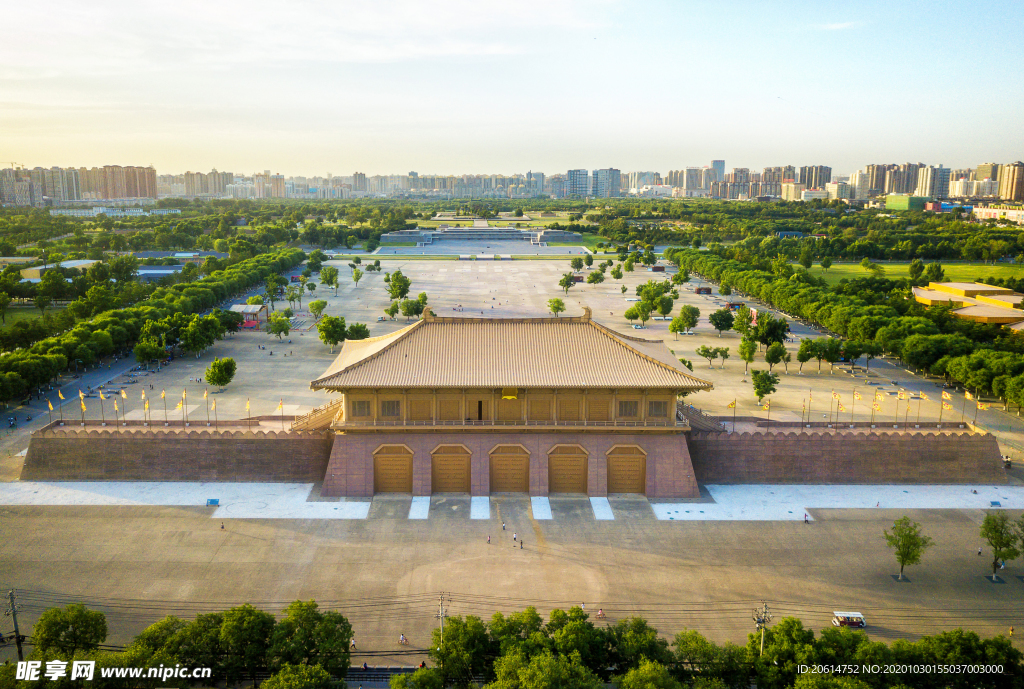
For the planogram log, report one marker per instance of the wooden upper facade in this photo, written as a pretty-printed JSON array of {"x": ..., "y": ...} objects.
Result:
[{"x": 534, "y": 374}]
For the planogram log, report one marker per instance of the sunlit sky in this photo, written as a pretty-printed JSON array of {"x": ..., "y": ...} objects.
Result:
[{"x": 474, "y": 86}]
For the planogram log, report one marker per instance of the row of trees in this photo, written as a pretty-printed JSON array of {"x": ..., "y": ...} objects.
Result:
[{"x": 307, "y": 647}]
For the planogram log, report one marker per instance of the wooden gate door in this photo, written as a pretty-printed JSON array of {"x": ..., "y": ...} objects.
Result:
[
  {"x": 392, "y": 469},
  {"x": 450, "y": 467},
  {"x": 510, "y": 469},
  {"x": 627, "y": 470},
  {"x": 567, "y": 469}
]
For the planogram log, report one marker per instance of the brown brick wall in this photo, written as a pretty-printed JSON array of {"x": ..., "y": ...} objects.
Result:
[
  {"x": 846, "y": 458},
  {"x": 669, "y": 472},
  {"x": 168, "y": 455}
]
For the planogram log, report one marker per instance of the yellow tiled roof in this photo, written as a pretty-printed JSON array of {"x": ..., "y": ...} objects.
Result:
[{"x": 519, "y": 352}]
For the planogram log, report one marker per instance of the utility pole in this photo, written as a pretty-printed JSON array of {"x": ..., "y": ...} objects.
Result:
[
  {"x": 761, "y": 619},
  {"x": 12, "y": 612},
  {"x": 442, "y": 612}
]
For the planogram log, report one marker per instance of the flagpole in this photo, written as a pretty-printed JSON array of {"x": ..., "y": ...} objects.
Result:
[
  {"x": 853, "y": 405},
  {"x": 977, "y": 406},
  {"x": 163, "y": 396},
  {"x": 216, "y": 418},
  {"x": 734, "y": 416},
  {"x": 282, "y": 415},
  {"x": 206, "y": 398},
  {"x": 49, "y": 412},
  {"x": 919, "y": 409},
  {"x": 906, "y": 416},
  {"x": 769, "y": 415},
  {"x": 103, "y": 416},
  {"x": 810, "y": 398},
  {"x": 60, "y": 407},
  {"x": 941, "y": 402},
  {"x": 248, "y": 414},
  {"x": 963, "y": 412}
]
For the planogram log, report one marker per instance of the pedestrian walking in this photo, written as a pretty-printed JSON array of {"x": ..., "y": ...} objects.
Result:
[
  {"x": 488, "y": 539},
  {"x": 514, "y": 535},
  {"x": 520, "y": 545},
  {"x": 805, "y": 518},
  {"x": 1011, "y": 632},
  {"x": 979, "y": 552},
  {"x": 222, "y": 526},
  {"x": 503, "y": 526}
]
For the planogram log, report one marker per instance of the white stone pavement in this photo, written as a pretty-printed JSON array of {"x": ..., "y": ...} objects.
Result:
[{"x": 728, "y": 503}]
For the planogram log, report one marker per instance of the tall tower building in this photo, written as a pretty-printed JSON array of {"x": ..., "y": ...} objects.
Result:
[
  {"x": 815, "y": 176},
  {"x": 606, "y": 183},
  {"x": 577, "y": 183},
  {"x": 933, "y": 182},
  {"x": 987, "y": 171},
  {"x": 359, "y": 182},
  {"x": 718, "y": 166},
  {"x": 1011, "y": 182}
]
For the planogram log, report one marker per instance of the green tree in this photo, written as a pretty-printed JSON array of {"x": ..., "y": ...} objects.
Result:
[
  {"x": 70, "y": 629},
  {"x": 742, "y": 320},
  {"x": 643, "y": 312},
  {"x": 831, "y": 350},
  {"x": 648, "y": 675},
  {"x": 542, "y": 671},
  {"x": 307, "y": 636},
  {"x": 5, "y": 303},
  {"x": 245, "y": 638},
  {"x": 1002, "y": 537},
  {"x": 870, "y": 350},
  {"x": 221, "y": 372},
  {"x": 317, "y": 308},
  {"x": 770, "y": 329},
  {"x": 628, "y": 265},
  {"x": 299, "y": 677},
  {"x": 709, "y": 353},
  {"x": 664, "y": 305},
  {"x": 255, "y": 300},
  {"x": 147, "y": 351},
  {"x": 465, "y": 652},
  {"x": 826, "y": 263},
  {"x": 916, "y": 269},
  {"x": 774, "y": 355},
  {"x": 424, "y": 678},
  {"x": 697, "y": 658},
  {"x": 633, "y": 314},
  {"x": 787, "y": 645},
  {"x": 329, "y": 276},
  {"x": 721, "y": 320},
  {"x": 616, "y": 273},
  {"x": 576, "y": 263},
  {"x": 556, "y": 306},
  {"x": 42, "y": 302},
  {"x": 690, "y": 315},
  {"x": 357, "y": 275},
  {"x": 595, "y": 278},
  {"x": 806, "y": 256},
  {"x": 632, "y": 640},
  {"x": 588, "y": 260},
  {"x": 723, "y": 354},
  {"x": 764, "y": 383},
  {"x": 934, "y": 273},
  {"x": 331, "y": 330},
  {"x": 398, "y": 285},
  {"x": 278, "y": 325},
  {"x": 357, "y": 331},
  {"x": 748, "y": 348},
  {"x": 907, "y": 542},
  {"x": 566, "y": 282},
  {"x": 393, "y": 309}
]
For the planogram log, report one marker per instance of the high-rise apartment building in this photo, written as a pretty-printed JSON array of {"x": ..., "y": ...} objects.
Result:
[
  {"x": 718, "y": 166},
  {"x": 860, "y": 185},
  {"x": 933, "y": 182},
  {"x": 606, "y": 183},
  {"x": 277, "y": 186},
  {"x": 815, "y": 176},
  {"x": 1011, "y": 182},
  {"x": 359, "y": 182},
  {"x": 577, "y": 183},
  {"x": 987, "y": 171},
  {"x": 693, "y": 179}
]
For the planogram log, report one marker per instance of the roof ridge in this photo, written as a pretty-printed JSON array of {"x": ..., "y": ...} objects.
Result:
[
  {"x": 614, "y": 336},
  {"x": 398, "y": 336}
]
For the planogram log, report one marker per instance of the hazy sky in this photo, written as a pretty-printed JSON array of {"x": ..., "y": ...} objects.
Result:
[{"x": 453, "y": 86}]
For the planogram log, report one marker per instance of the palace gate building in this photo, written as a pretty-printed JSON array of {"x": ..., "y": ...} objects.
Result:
[{"x": 525, "y": 405}]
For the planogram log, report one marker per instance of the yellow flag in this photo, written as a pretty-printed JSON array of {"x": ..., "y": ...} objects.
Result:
[
  {"x": 147, "y": 405},
  {"x": 982, "y": 405},
  {"x": 184, "y": 394},
  {"x": 280, "y": 405},
  {"x": 83, "y": 405},
  {"x": 60, "y": 395},
  {"x": 731, "y": 405},
  {"x": 81, "y": 395},
  {"x": 102, "y": 397},
  {"x": 876, "y": 406},
  {"x": 946, "y": 396},
  {"x": 213, "y": 405},
  {"x": 143, "y": 393},
  {"x": 946, "y": 405},
  {"x": 247, "y": 404},
  {"x": 878, "y": 395},
  {"x": 968, "y": 395},
  {"x": 206, "y": 393},
  {"x": 841, "y": 407},
  {"x": 124, "y": 395},
  {"x": 923, "y": 396},
  {"x": 179, "y": 406},
  {"x": 115, "y": 405},
  {"x": 835, "y": 395},
  {"x": 857, "y": 396},
  {"x": 50, "y": 404},
  {"x": 901, "y": 395},
  {"x": 767, "y": 405},
  {"x": 163, "y": 394}
]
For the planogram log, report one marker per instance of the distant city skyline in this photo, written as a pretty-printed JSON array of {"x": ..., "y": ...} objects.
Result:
[{"x": 539, "y": 84}]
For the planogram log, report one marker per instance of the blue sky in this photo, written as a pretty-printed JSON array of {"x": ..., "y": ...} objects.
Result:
[{"x": 500, "y": 87}]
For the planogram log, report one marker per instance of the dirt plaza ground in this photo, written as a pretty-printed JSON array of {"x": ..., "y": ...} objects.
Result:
[{"x": 385, "y": 570}]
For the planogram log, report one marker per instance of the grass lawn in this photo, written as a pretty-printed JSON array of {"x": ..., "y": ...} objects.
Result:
[
  {"x": 589, "y": 240},
  {"x": 955, "y": 272},
  {"x": 22, "y": 313}
]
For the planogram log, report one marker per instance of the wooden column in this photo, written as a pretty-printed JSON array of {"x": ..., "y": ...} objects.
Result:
[
  {"x": 433, "y": 407},
  {"x": 526, "y": 403},
  {"x": 405, "y": 407},
  {"x": 643, "y": 406},
  {"x": 465, "y": 412},
  {"x": 584, "y": 408},
  {"x": 554, "y": 403},
  {"x": 376, "y": 406}
]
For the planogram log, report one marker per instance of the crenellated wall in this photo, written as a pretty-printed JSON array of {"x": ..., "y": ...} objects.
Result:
[
  {"x": 846, "y": 458},
  {"x": 143, "y": 454}
]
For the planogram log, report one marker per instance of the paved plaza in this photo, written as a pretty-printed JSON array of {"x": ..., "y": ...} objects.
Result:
[
  {"x": 701, "y": 564},
  {"x": 450, "y": 247}
]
